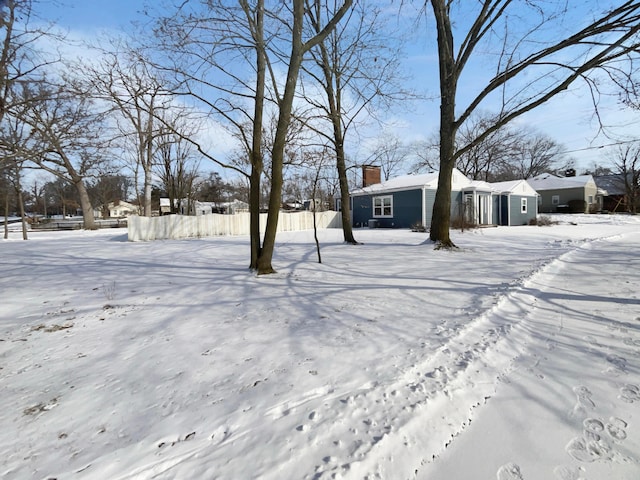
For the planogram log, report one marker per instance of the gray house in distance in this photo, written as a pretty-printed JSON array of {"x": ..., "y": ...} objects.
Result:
[
  {"x": 556, "y": 192},
  {"x": 407, "y": 201}
]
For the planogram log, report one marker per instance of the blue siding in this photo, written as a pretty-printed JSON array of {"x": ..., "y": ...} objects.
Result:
[
  {"x": 361, "y": 210},
  {"x": 406, "y": 209},
  {"x": 495, "y": 209},
  {"x": 504, "y": 210},
  {"x": 517, "y": 217},
  {"x": 429, "y": 200}
]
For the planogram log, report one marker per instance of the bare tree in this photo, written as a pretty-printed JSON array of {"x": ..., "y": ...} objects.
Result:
[
  {"x": 107, "y": 188},
  {"x": 65, "y": 135},
  {"x": 20, "y": 61},
  {"x": 20, "y": 57},
  {"x": 227, "y": 52},
  {"x": 484, "y": 158},
  {"x": 533, "y": 154},
  {"x": 6, "y": 191},
  {"x": 14, "y": 136},
  {"x": 177, "y": 166},
  {"x": 357, "y": 70},
  {"x": 627, "y": 163},
  {"x": 529, "y": 69},
  {"x": 299, "y": 47},
  {"x": 139, "y": 100},
  {"x": 390, "y": 153},
  {"x": 216, "y": 54}
]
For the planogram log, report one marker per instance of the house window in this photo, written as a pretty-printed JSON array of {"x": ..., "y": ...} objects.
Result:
[
  {"x": 383, "y": 206},
  {"x": 523, "y": 205},
  {"x": 555, "y": 200},
  {"x": 590, "y": 199}
]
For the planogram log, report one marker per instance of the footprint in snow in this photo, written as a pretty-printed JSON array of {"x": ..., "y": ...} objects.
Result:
[
  {"x": 584, "y": 401},
  {"x": 510, "y": 471},
  {"x": 629, "y": 393},
  {"x": 568, "y": 473},
  {"x": 616, "y": 428},
  {"x": 586, "y": 450}
]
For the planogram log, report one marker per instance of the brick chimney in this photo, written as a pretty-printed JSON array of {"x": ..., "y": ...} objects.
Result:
[{"x": 370, "y": 175}]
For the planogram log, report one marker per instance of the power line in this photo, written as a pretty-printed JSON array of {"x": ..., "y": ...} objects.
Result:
[{"x": 600, "y": 146}]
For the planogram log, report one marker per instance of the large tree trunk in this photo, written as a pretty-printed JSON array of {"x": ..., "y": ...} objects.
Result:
[
  {"x": 277, "y": 153},
  {"x": 85, "y": 204},
  {"x": 441, "y": 218},
  {"x": 284, "y": 119},
  {"x": 254, "y": 214},
  {"x": 147, "y": 190}
]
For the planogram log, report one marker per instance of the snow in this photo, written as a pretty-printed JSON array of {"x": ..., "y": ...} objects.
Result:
[
  {"x": 515, "y": 357},
  {"x": 546, "y": 181}
]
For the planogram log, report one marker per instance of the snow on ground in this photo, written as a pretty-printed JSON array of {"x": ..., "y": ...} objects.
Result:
[{"x": 516, "y": 357}]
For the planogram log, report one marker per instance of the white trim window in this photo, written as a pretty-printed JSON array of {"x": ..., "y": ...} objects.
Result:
[
  {"x": 523, "y": 205},
  {"x": 383, "y": 207},
  {"x": 555, "y": 200}
]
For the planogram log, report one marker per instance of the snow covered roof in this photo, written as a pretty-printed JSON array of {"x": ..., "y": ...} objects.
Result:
[
  {"x": 459, "y": 182},
  {"x": 480, "y": 186},
  {"x": 547, "y": 181},
  {"x": 408, "y": 182},
  {"x": 612, "y": 184},
  {"x": 521, "y": 187}
]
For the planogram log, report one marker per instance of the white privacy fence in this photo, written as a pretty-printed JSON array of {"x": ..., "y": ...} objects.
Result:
[{"x": 182, "y": 226}]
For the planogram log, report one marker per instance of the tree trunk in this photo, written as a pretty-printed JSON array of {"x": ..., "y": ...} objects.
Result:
[
  {"x": 277, "y": 154},
  {"x": 254, "y": 215},
  {"x": 23, "y": 216},
  {"x": 441, "y": 218},
  {"x": 256, "y": 140},
  {"x": 147, "y": 190},
  {"x": 345, "y": 210},
  {"x": 6, "y": 216},
  {"x": 85, "y": 204}
]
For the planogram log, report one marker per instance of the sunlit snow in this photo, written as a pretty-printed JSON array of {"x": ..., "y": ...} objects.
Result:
[{"x": 515, "y": 357}]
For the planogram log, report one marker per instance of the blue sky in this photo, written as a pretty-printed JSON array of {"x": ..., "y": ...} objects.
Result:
[
  {"x": 89, "y": 14},
  {"x": 568, "y": 118}
]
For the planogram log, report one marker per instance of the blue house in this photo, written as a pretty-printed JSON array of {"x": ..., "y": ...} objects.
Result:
[{"x": 407, "y": 201}]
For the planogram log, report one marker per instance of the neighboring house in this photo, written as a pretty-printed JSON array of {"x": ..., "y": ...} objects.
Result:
[
  {"x": 233, "y": 207},
  {"x": 557, "y": 192},
  {"x": 205, "y": 208},
  {"x": 618, "y": 193},
  {"x": 165, "y": 206},
  {"x": 116, "y": 209},
  {"x": 406, "y": 201},
  {"x": 197, "y": 208}
]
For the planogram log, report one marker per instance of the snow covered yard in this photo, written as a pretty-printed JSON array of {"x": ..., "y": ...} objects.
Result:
[{"x": 516, "y": 357}]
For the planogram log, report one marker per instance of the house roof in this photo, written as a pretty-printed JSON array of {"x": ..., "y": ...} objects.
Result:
[
  {"x": 521, "y": 187},
  {"x": 547, "y": 181},
  {"x": 612, "y": 184},
  {"x": 459, "y": 182},
  {"x": 410, "y": 182}
]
